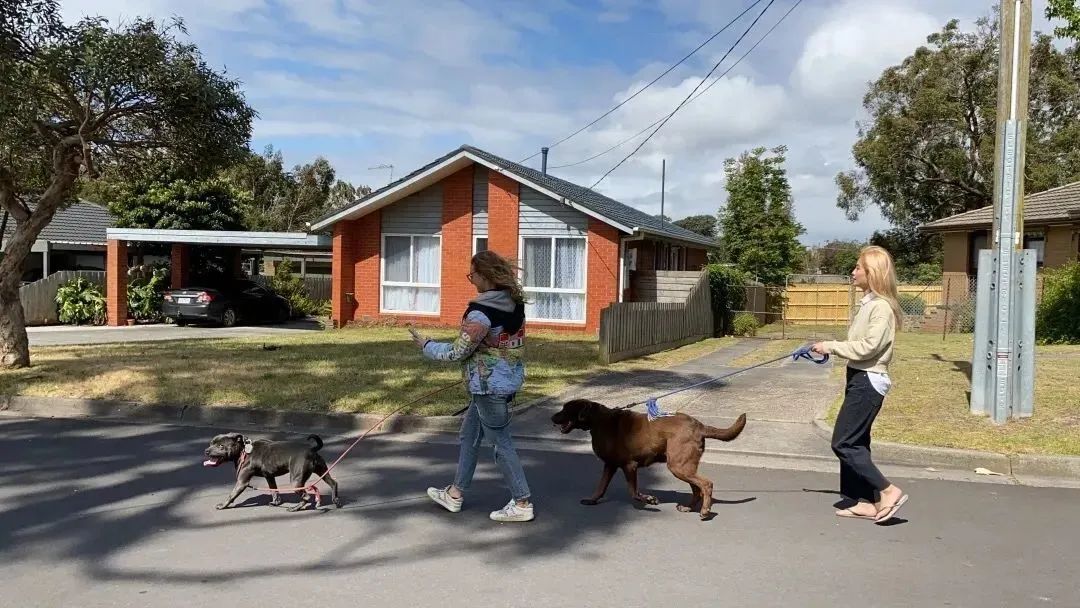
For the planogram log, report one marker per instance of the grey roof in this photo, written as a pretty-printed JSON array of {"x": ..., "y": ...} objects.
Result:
[
  {"x": 83, "y": 222},
  {"x": 589, "y": 199},
  {"x": 1061, "y": 204}
]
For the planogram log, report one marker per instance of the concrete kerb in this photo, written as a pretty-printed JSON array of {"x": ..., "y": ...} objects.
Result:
[
  {"x": 233, "y": 418},
  {"x": 1017, "y": 466}
]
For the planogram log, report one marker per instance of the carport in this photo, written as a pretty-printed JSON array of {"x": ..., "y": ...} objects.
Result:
[{"x": 116, "y": 257}]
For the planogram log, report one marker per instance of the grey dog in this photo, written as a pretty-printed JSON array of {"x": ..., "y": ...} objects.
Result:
[{"x": 269, "y": 459}]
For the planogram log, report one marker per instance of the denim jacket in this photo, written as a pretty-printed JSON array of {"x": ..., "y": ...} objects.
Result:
[{"x": 490, "y": 345}]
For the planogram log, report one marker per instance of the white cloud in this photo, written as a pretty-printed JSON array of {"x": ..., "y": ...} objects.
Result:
[{"x": 856, "y": 44}]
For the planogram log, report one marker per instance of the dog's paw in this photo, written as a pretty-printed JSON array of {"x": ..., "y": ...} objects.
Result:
[
  {"x": 589, "y": 502},
  {"x": 706, "y": 516},
  {"x": 220, "y": 506},
  {"x": 684, "y": 508},
  {"x": 337, "y": 503},
  {"x": 275, "y": 503},
  {"x": 649, "y": 499}
]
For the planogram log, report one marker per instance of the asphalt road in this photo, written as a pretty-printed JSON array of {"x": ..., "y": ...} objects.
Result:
[
  {"x": 107, "y": 514},
  {"x": 67, "y": 335}
]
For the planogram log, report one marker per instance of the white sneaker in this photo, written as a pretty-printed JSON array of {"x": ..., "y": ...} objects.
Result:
[
  {"x": 442, "y": 497},
  {"x": 513, "y": 512}
]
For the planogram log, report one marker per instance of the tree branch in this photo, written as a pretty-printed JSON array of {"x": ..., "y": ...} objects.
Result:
[{"x": 940, "y": 177}]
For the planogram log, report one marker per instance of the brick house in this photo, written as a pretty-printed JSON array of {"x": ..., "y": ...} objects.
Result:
[
  {"x": 1051, "y": 228},
  {"x": 402, "y": 252}
]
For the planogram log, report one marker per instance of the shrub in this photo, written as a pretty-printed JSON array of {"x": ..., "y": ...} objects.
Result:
[
  {"x": 1057, "y": 320},
  {"x": 79, "y": 301},
  {"x": 292, "y": 288},
  {"x": 912, "y": 304},
  {"x": 745, "y": 324},
  {"x": 145, "y": 292},
  {"x": 962, "y": 317},
  {"x": 727, "y": 287}
]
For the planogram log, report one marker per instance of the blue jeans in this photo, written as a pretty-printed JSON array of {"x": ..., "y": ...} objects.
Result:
[{"x": 489, "y": 416}]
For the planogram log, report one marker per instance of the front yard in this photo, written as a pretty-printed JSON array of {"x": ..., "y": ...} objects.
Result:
[
  {"x": 928, "y": 403},
  {"x": 350, "y": 370}
]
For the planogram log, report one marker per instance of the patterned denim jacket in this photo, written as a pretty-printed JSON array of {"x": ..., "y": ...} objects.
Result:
[{"x": 490, "y": 346}]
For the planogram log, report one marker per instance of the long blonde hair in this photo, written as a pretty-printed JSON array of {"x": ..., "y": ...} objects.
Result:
[
  {"x": 881, "y": 278},
  {"x": 500, "y": 271}
]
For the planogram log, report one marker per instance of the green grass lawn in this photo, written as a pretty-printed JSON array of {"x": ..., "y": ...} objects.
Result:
[
  {"x": 928, "y": 403},
  {"x": 349, "y": 370}
]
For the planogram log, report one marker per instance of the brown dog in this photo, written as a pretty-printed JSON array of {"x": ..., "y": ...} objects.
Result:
[{"x": 627, "y": 440}]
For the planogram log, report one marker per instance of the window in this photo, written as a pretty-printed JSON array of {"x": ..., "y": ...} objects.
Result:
[
  {"x": 554, "y": 277},
  {"x": 410, "y": 273},
  {"x": 479, "y": 244},
  {"x": 1036, "y": 241}
]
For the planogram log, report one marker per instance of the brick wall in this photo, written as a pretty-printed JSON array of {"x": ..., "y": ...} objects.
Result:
[
  {"x": 1061, "y": 246},
  {"x": 368, "y": 265},
  {"x": 180, "y": 266},
  {"x": 342, "y": 278},
  {"x": 455, "y": 289},
  {"x": 503, "y": 202},
  {"x": 603, "y": 280},
  {"x": 116, "y": 267}
]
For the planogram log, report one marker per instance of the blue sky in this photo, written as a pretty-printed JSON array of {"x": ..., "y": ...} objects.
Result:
[{"x": 400, "y": 82}]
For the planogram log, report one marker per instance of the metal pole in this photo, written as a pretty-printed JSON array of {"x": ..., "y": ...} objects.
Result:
[
  {"x": 663, "y": 177},
  {"x": 945, "y": 324}
]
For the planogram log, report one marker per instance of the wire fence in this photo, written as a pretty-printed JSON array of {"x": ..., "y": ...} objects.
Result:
[{"x": 820, "y": 307}]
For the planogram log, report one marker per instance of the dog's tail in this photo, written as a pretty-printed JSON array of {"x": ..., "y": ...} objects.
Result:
[
  {"x": 711, "y": 432},
  {"x": 317, "y": 441}
]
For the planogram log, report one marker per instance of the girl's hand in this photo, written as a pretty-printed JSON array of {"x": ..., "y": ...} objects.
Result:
[
  {"x": 819, "y": 348},
  {"x": 418, "y": 339}
]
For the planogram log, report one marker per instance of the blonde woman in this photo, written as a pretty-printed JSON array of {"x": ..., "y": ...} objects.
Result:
[
  {"x": 490, "y": 347},
  {"x": 868, "y": 350}
]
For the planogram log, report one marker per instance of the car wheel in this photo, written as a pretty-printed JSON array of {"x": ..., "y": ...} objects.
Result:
[
  {"x": 228, "y": 318},
  {"x": 181, "y": 323},
  {"x": 282, "y": 315}
]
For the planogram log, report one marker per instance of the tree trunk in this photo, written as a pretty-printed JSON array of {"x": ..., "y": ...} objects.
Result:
[{"x": 14, "y": 346}]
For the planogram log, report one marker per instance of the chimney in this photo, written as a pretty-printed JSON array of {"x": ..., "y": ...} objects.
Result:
[{"x": 543, "y": 161}]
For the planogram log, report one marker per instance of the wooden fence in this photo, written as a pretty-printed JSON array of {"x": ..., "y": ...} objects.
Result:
[
  {"x": 670, "y": 286},
  {"x": 824, "y": 304},
  {"x": 633, "y": 329},
  {"x": 39, "y": 298},
  {"x": 318, "y": 286}
]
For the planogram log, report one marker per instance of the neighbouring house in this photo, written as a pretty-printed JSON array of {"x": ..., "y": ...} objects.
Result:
[
  {"x": 1051, "y": 228},
  {"x": 402, "y": 252},
  {"x": 74, "y": 240}
]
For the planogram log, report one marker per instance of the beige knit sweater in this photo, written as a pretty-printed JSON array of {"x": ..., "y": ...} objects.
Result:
[{"x": 869, "y": 344}]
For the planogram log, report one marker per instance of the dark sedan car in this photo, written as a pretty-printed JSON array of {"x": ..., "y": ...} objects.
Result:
[{"x": 228, "y": 304}]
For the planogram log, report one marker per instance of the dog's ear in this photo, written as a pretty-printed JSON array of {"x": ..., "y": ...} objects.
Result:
[
  {"x": 585, "y": 410},
  {"x": 237, "y": 437}
]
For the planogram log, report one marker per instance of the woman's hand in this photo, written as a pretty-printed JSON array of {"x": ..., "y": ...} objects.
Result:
[
  {"x": 418, "y": 338},
  {"x": 819, "y": 348}
]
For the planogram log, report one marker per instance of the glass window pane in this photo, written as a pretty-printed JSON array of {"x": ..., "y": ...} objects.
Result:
[
  {"x": 396, "y": 254},
  {"x": 570, "y": 263},
  {"x": 537, "y": 262},
  {"x": 411, "y": 299},
  {"x": 426, "y": 260},
  {"x": 556, "y": 306},
  {"x": 481, "y": 244}
]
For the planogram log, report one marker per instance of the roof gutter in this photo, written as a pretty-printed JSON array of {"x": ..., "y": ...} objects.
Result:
[{"x": 645, "y": 231}]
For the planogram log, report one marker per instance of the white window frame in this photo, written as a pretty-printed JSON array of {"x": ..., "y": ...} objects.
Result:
[
  {"x": 476, "y": 238},
  {"x": 384, "y": 283},
  {"x": 584, "y": 269}
]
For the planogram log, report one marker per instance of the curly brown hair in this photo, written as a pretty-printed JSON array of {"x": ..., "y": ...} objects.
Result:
[{"x": 500, "y": 271}]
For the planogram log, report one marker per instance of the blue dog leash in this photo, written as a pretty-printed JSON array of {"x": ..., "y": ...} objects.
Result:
[{"x": 653, "y": 408}]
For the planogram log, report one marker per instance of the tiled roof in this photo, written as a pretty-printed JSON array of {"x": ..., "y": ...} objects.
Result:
[
  {"x": 589, "y": 199},
  {"x": 1061, "y": 204},
  {"x": 83, "y": 222}
]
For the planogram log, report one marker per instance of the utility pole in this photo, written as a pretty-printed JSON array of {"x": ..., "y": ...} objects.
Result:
[
  {"x": 663, "y": 175},
  {"x": 1003, "y": 365}
]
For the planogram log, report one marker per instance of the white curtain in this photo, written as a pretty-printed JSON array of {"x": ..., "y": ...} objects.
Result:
[
  {"x": 567, "y": 273},
  {"x": 397, "y": 259},
  {"x": 570, "y": 263},
  {"x": 411, "y": 299},
  {"x": 413, "y": 259},
  {"x": 426, "y": 261},
  {"x": 556, "y": 306},
  {"x": 537, "y": 264}
]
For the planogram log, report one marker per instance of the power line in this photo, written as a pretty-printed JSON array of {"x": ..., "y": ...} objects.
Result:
[
  {"x": 654, "y": 80},
  {"x": 686, "y": 99},
  {"x": 692, "y": 99}
]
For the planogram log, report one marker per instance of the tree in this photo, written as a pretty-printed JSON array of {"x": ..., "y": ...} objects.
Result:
[
  {"x": 705, "y": 225},
  {"x": 78, "y": 101},
  {"x": 179, "y": 204},
  {"x": 839, "y": 257},
  {"x": 760, "y": 233},
  {"x": 918, "y": 256},
  {"x": 928, "y": 150},
  {"x": 1068, "y": 10},
  {"x": 279, "y": 200}
]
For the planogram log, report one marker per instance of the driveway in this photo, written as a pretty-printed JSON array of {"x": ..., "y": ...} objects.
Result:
[{"x": 62, "y": 335}]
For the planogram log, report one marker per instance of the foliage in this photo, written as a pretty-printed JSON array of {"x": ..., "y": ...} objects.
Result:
[
  {"x": 292, "y": 288},
  {"x": 145, "y": 292},
  {"x": 728, "y": 293},
  {"x": 759, "y": 229},
  {"x": 962, "y": 317},
  {"x": 179, "y": 204},
  {"x": 745, "y": 324},
  {"x": 918, "y": 256},
  {"x": 84, "y": 100},
  {"x": 705, "y": 225},
  {"x": 80, "y": 302},
  {"x": 912, "y": 304},
  {"x": 1069, "y": 11},
  {"x": 927, "y": 151},
  {"x": 280, "y": 200},
  {"x": 1058, "y": 319},
  {"x": 838, "y": 257}
]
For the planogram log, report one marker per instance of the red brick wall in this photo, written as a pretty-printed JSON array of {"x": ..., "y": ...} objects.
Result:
[
  {"x": 603, "y": 281},
  {"x": 343, "y": 260},
  {"x": 503, "y": 200},
  {"x": 456, "y": 290},
  {"x": 116, "y": 267},
  {"x": 368, "y": 265},
  {"x": 180, "y": 266}
]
